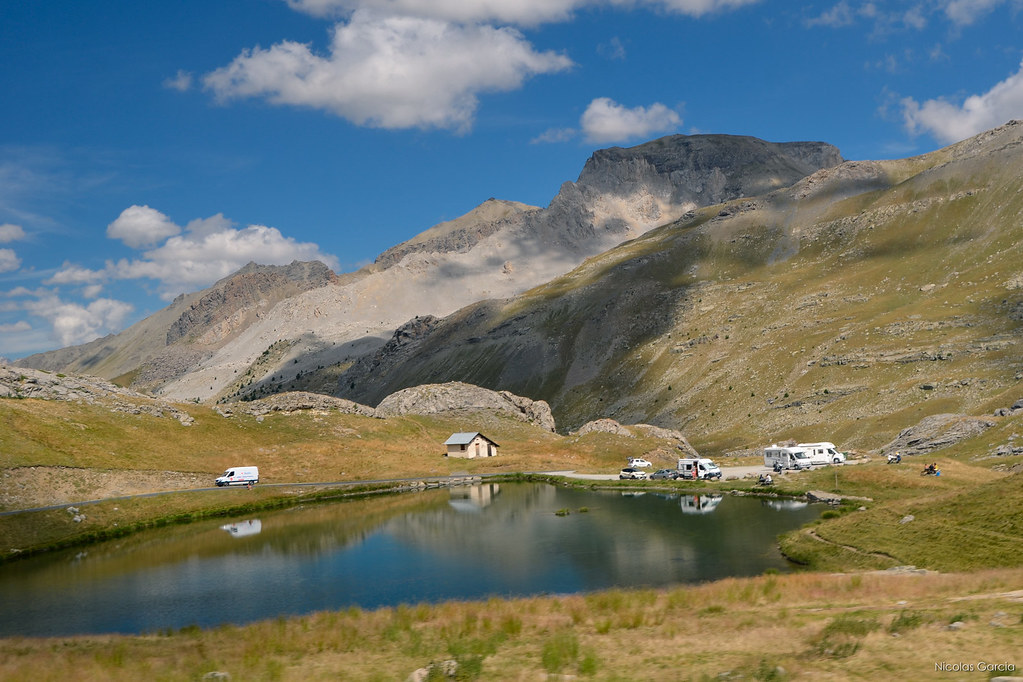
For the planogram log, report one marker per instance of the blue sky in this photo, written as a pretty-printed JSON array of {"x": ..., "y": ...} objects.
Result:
[{"x": 148, "y": 149}]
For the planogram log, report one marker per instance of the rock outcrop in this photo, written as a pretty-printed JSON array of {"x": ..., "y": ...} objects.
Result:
[
  {"x": 936, "y": 432},
  {"x": 456, "y": 397},
  {"x": 681, "y": 446},
  {"x": 216, "y": 314},
  {"x": 294, "y": 402},
  {"x": 19, "y": 383}
]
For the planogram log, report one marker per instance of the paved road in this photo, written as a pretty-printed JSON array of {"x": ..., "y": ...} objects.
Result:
[
  {"x": 331, "y": 484},
  {"x": 733, "y": 472}
]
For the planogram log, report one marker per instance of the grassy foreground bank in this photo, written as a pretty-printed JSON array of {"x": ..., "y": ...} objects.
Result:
[
  {"x": 881, "y": 625},
  {"x": 873, "y": 624}
]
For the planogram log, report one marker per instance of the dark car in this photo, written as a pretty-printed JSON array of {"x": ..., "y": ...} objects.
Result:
[{"x": 665, "y": 474}]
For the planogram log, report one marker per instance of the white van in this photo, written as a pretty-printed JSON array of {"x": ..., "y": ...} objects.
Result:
[
  {"x": 823, "y": 453},
  {"x": 699, "y": 504},
  {"x": 239, "y": 476},
  {"x": 782, "y": 457},
  {"x": 702, "y": 468}
]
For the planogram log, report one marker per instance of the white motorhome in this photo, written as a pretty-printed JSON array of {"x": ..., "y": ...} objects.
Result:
[
  {"x": 698, "y": 468},
  {"x": 823, "y": 453},
  {"x": 239, "y": 476},
  {"x": 784, "y": 457}
]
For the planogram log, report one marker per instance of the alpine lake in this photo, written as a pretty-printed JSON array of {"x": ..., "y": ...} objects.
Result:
[{"x": 460, "y": 543}]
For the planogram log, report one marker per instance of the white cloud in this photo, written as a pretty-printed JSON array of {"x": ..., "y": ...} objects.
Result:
[
  {"x": 11, "y": 233},
  {"x": 839, "y": 15},
  {"x": 92, "y": 290},
  {"x": 607, "y": 121},
  {"x": 959, "y": 12},
  {"x": 696, "y": 8},
  {"x": 614, "y": 49},
  {"x": 198, "y": 259},
  {"x": 965, "y": 12},
  {"x": 517, "y": 12},
  {"x": 210, "y": 249},
  {"x": 555, "y": 135},
  {"x": 141, "y": 226},
  {"x": 19, "y": 326},
  {"x": 182, "y": 81},
  {"x": 200, "y": 227},
  {"x": 950, "y": 122},
  {"x": 390, "y": 72},
  {"x": 73, "y": 323},
  {"x": 70, "y": 273},
  {"x": 9, "y": 260}
]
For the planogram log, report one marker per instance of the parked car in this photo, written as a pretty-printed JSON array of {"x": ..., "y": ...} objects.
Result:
[
  {"x": 667, "y": 474},
  {"x": 632, "y": 472},
  {"x": 639, "y": 462}
]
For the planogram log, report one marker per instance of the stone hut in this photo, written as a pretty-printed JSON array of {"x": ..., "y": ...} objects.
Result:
[{"x": 470, "y": 445}]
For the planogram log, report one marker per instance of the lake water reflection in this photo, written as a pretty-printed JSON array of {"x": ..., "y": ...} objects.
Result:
[{"x": 464, "y": 543}]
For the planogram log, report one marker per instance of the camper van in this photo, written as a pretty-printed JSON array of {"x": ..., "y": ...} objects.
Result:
[
  {"x": 702, "y": 468},
  {"x": 823, "y": 453},
  {"x": 239, "y": 476},
  {"x": 782, "y": 457}
]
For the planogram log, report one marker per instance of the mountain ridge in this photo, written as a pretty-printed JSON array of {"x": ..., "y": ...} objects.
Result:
[
  {"x": 765, "y": 317},
  {"x": 284, "y": 336}
]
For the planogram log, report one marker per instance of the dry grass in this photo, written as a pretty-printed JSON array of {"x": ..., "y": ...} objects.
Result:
[{"x": 873, "y": 625}]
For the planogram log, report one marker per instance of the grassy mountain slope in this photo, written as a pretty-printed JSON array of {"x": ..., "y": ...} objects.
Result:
[{"x": 844, "y": 308}]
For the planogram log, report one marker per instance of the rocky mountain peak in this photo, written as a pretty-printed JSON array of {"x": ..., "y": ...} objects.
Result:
[
  {"x": 253, "y": 284},
  {"x": 705, "y": 169},
  {"x": 458, "y": 235},
  {"x": 284, "y": 327}
]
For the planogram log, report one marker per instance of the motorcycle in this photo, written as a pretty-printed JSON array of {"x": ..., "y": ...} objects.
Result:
[{"x": 894, "y": 459}]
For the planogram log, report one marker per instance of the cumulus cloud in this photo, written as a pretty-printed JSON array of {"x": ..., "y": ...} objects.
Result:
[
  {"x": 607, "y": 121},
  {"x": 69, "y": 273},
  {"x": 9, "y": 261},
  {"x": 73, "y": 323},
  {"x": 141, "y": 226},
  {"x": 11, "y": 233},
  {"x": 415, "y": 63},
  {"x": 951, "y": 122},
  {"x": 390, "y": 72},
  {"x": 207, "y": 250},
  {"x": 196, "y": 260},
  {"x": 519, "y": 12}
]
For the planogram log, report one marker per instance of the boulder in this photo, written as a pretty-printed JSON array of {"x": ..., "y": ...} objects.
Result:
[
  {"x": 297, "y": 401},
  {"x": 456, "y": 396},
  {"x": 604, "y": 426}
]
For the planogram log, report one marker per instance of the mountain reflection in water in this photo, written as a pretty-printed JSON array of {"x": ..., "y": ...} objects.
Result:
[{"x": 463, "y": 543}]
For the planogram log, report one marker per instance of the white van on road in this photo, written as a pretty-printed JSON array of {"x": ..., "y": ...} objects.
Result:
[
  {"x": 239, "y": 476},
  {"x": 701, "y": 468},
  {"x": 783, "y": 457},
  {"x": 823, "y": 453}
]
